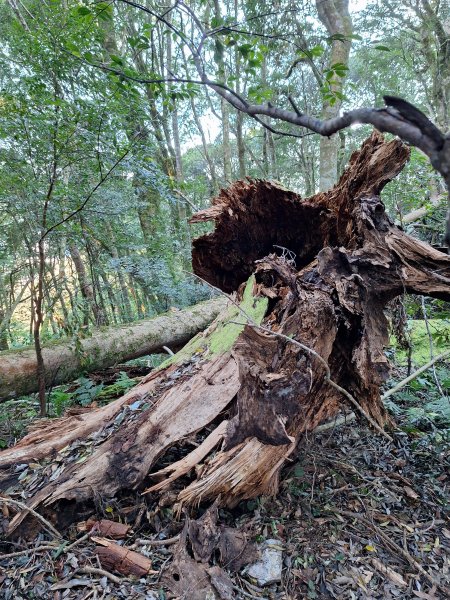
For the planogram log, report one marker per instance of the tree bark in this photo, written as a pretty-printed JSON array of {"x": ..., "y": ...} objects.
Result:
[
  {"x": 224, "y": 106},
  {"x": 65, "y": 360},
  {"x": 86, "y": 288},
  {"x": 335, "y": 16},
  {"x": 306, "y": 340}
]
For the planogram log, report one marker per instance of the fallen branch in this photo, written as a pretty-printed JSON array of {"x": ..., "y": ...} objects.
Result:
[
  {"x": 42, "y": 548},
  {"x": 166, "y": 542},
  {"x": 100, "y": 573},
  {"x": 405, "y": 381}
]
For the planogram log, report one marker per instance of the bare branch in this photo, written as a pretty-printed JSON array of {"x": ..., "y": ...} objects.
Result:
[{"x": 398, "y": 117}]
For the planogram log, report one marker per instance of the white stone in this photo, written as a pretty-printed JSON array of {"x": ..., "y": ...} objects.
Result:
[{"x": 268, "y": 568}]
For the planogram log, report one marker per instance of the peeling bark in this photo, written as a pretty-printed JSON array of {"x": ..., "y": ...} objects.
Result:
[{"x": 322, "y": 272}]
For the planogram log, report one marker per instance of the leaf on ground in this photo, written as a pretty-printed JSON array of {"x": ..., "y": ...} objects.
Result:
[{"x": 392, "y": 575}]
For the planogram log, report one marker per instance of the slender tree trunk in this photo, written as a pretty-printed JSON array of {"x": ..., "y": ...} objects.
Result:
[
  {"x": 240, "y": 115},
  {"x": 224, "y": 105},
  {"x": 206, "y": 153},
  {"x": 112, "y": 299},
  {"x": 86, "y": 288},
  {"x": 137, "y": 300},
  {"x": 127, "y": 312},
  {"x": 335, "y": 16},
  {"x": 58, "y": 284},
  {"x": 99, "y": 300},
  {"x": 37, "y": 293},
  {"x": 4, "y": 344}
]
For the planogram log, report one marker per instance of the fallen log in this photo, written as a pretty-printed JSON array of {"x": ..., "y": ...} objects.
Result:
[
  {"x": 66, "y": 360},
  {"x": 317, "y": 274}
]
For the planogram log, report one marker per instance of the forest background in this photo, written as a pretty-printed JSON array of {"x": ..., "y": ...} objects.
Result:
[{"x": 108, "y": 145}]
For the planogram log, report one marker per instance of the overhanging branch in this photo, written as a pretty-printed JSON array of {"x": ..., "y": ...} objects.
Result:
[{"x": 398, "y": 117}]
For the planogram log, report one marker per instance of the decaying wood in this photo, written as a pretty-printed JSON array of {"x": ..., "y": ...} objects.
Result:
[
  {"x": 194, "y": 578},
  {"x": 105, "y": 528},
  {"x": 65, "y": 360},
  {"x": 322, "y": 271},
  {"x": 119, "y": 558}
]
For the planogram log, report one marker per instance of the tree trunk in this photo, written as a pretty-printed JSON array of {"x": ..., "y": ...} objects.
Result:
[
  {"x": 66, "y": 360},
  {"x": 320, "y": 272},
  {"x": 86, "y": 288},
  {"x": 224, "y": 105},
  {"x": 335, "y": 16},
  {"x": 4, "y": 321},
  {"x": 239, "y": 115}
]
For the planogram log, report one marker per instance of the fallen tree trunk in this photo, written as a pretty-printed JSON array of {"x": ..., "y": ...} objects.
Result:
[
  {"x": 66, "y": 360},
  {"x": 320, "y": 273}
]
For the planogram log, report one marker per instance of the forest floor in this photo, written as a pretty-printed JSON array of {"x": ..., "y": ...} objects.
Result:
[{"x": 355, "y": 517}]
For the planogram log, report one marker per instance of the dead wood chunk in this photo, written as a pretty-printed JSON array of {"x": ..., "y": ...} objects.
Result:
[
  {"x": 222, "y": 583},
  {"x": 204, "y": 534},
  {"x": 127, "y": 562},
  {"x": 235, "y": 550},
  {"x": 106, "y": 528},
  {"x": 186, "y": 578}
]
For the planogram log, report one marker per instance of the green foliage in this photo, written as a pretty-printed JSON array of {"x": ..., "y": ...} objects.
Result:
[
  {"x": 118, "y": 388},
  {"x": 417, "y": 331},
  {"x": 86, "y": 392}
]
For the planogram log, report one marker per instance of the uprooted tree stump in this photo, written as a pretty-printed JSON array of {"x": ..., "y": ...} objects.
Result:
[{"x": 320, "y": 271}]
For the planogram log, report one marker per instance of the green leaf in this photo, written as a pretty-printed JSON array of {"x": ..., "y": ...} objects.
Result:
[
  {"x": 383, "y": 48},
  {"x": 83, "y": 11},
  {"x": 116, "y": 59},
  {"x": 317, "y": 51},
  {"x": 340, "y": 37},
  {"x": 244, "y": 49},
  {"x": 216, "y": 22},
  {"x": 339, "y": 65},
  {"x": 104, "y": 10}
]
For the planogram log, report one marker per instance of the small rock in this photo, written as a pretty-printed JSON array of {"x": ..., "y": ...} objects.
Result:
[{"x": 268, "y": 568}]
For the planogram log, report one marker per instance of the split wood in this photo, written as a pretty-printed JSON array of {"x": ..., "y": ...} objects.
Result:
[{"x": 328, "y": 379}]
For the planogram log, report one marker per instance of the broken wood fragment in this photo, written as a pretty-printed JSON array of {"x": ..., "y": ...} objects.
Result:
[
  {"x": 119, "y": 558},
  {"x": 105, "y": 528}
]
